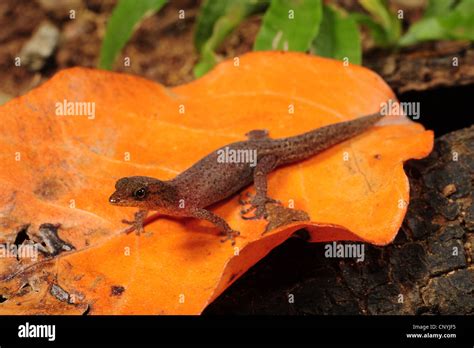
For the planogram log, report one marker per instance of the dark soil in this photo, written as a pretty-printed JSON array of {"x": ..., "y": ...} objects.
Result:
[{"x": 161, "y": 49}]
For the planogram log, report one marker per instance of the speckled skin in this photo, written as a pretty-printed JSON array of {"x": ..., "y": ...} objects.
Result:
[{"x": 209, "y": 181}]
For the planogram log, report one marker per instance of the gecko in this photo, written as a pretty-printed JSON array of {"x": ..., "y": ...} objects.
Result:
[{"x": 211, "y": 180}]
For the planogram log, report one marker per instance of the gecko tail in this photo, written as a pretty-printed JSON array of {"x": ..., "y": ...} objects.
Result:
[
  {"x": 313, "y": 142},
  {"x": 348, "y": 129}
]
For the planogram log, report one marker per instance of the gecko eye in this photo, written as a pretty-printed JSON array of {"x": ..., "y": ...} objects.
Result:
[{"x": 140, "y": 193}]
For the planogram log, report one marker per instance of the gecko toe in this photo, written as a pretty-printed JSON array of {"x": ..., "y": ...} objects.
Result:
[
  {"x": 136, "y": 226},
  {"x": 246, "y": 211},
  {"x": 249, "y": 217},
  {"x": 230, "y": 235},
  {"x": 243, "y": 201}
]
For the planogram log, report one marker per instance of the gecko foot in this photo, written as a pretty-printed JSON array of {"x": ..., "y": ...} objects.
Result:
[
  {"x": 137, "y": 224},
  {"x": 243, "y": 201},
  {"x": 258, "y": 206},
  {"x": 230, "y": 235}
]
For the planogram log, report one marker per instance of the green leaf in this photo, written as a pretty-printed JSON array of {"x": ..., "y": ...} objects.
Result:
[
  {"x": 460, "y": 22},
  {"x": 223, "y": 20},
  {"x": 457, "y": 24},
  {"x": 378, "y": 9},
  {"x": 289, "y": 25},
  {"x": 424, "y": 30},
  {"x": 376, "y": 30},
  {"x": 338, "y": 37},
  {"x": 121, "y": 24},
  {"x": 391, "y": 25},
  {"x": 437, "y": 7},
  {"x": 209, "y": 13}
]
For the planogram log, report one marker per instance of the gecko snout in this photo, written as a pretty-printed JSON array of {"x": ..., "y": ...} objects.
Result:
[{"x": 114, "y": 200}]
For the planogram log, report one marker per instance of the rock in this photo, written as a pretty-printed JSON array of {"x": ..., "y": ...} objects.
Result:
[
  {"x": 469, "y": 216},
  {"x": 452, "y": 173},
  {"x": 384, "y": 300},
  {"x": 449, "y": 190},
  {"x": 451, "y": 294},
  {"x": 4, "y": 98},
  {"x": 40, "y": 47},
  {"x": 444, "y": 206}
]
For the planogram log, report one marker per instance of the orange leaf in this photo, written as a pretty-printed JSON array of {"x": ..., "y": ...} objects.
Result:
[{"x": 62, "y": 169}]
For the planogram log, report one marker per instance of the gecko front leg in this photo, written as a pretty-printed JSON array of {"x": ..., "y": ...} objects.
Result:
[
  {"x": 226, "y": 230},
  {"x": 137, "y": 224},
  {"x": 264, "y": 166}
]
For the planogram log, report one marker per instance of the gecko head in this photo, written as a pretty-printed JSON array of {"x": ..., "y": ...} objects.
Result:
[{"x": 135, "y": 191}]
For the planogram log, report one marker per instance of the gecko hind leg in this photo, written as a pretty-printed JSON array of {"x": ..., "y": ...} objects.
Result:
[
  {"x": 257, "y": 134},
  {"x": 257, "y": 204}
]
